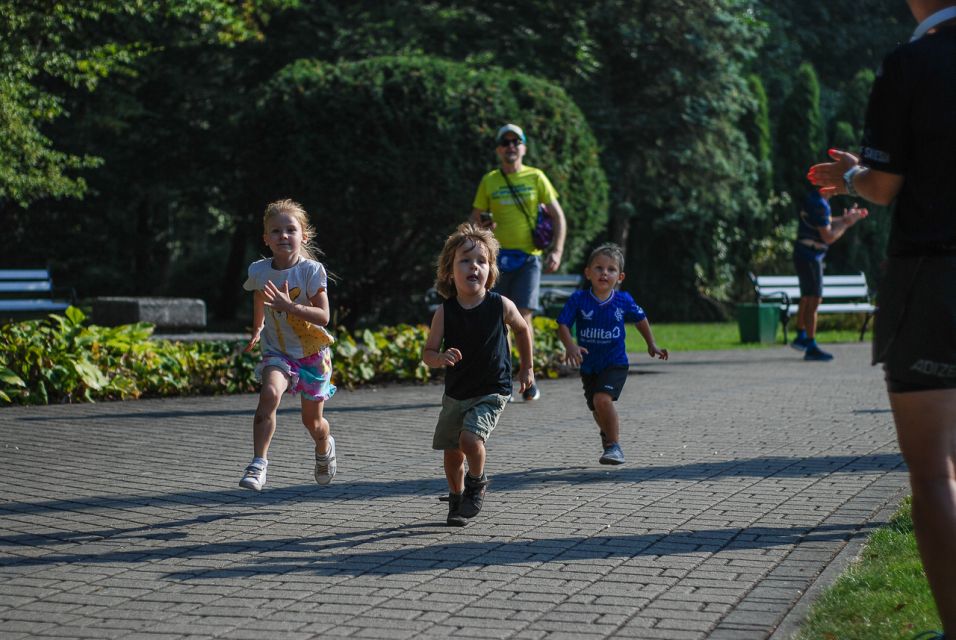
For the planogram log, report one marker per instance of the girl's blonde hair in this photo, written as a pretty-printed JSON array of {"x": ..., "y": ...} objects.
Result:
[
  {"x": 307, "y": 249},
  {"x": 466, "y": 235}
]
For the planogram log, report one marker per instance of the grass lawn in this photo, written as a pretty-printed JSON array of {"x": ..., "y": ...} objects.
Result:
[
  {"x": 884, "y": 596},
  {"x": 720, "y": 335}
]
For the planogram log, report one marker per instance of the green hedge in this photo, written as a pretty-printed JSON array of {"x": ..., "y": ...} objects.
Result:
[
  {"x": 386, "y": 154},
  {"x": 62, "y": 360}
]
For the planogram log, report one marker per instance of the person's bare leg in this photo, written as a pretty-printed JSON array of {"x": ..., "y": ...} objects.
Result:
[
  {"x": 316, "y": 424},
  {"x": 926, "y": 429},
  {"x": 454, "y": 462},
  {"x": 473, "y": 449},
  {"x": 605, "y": 415},
  {"x": 274, "y": 384},
  {"x": 801, "y": 321},
  {"x": 808, "y": 309}
]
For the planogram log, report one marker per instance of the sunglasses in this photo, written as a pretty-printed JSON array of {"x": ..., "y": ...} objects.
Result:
[{"x": 509, "y": 142}]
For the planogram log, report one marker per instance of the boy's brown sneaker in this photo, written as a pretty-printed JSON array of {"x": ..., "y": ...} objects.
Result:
[
  {"x": 473, "y": 496},
  {"x": 455, "y": 518}
]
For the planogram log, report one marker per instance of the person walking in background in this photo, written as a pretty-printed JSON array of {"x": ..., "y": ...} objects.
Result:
[
  {"x": 468, "y": 338},
  {"x": 290, "y": 311},
  {"x": 816, "y": 231},
  {"x": 908, "y": 156},
  {"x": 600, "y": 314},
  {"x": 507, "y": 202}
]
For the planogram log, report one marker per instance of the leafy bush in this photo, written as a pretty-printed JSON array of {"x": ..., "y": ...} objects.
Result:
[
  {"x": 398, "y": 147},
  {"x": 59, "y": 360}
]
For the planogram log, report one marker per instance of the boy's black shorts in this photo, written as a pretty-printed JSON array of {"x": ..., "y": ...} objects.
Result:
[{"x": 609, "y": 381}]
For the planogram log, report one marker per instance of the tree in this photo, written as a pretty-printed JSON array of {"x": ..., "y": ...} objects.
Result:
[
  {"x": 397, "y": 149},
  {"x": 800, "y": 141},
  {"x": 48, "y": 49}
]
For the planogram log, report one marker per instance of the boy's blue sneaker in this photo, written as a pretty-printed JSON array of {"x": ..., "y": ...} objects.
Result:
[
  {"x": 817, "y": 354},
  {"x": 612, "y": 455},
  {"x": 800, "y": 344},
  {"x": 930, "y": 635}
]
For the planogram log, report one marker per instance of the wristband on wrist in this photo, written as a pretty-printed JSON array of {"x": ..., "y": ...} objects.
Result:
[{"x": 848, "y": 179}]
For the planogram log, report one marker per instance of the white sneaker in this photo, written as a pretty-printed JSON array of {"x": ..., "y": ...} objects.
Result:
[
  {"x": 254, "y": 478},
  {"x": 325, "y": 465}
]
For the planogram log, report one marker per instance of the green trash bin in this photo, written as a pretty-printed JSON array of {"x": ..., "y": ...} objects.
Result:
[{"x": 758, "y": 322}]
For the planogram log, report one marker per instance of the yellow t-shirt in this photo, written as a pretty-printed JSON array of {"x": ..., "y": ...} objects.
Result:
[{"x": 514, "y": 227}]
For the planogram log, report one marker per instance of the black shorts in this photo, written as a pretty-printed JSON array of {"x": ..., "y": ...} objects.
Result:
[
  {"x": 609, "y": 381},
  {"x": 915, "y": 327},
  {"x": 810, "y": 275}
]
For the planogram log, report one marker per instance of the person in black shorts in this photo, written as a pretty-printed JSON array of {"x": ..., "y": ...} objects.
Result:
[
  {"x": 908, "y": 156},
  {"x": 816, "y": 231}
]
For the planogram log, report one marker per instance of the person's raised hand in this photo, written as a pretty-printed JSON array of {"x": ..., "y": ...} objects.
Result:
[
  {"x": 277, "y": 298},
  {"x": 828, "y": 176}
]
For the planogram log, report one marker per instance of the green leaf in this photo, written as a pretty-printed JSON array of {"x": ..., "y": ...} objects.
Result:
[{"x": 9, "y": 377}]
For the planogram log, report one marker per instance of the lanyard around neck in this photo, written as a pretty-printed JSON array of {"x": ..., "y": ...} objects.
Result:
[{"x": 933, "y": 21}]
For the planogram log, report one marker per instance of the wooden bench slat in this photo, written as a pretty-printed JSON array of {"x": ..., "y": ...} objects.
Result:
[
  {"x": 24, "y": 274},
  {"x": 33, "y": 305},
  {"x": 17, "y": 286}
]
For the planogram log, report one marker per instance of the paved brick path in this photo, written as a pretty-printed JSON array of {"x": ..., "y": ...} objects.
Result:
[{"x": 748, "y": 472}]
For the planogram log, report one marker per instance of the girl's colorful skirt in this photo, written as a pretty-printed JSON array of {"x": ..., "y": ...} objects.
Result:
[{"x": 311, "y": 376}]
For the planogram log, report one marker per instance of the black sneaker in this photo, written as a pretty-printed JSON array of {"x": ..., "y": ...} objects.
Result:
[
  {"x": 455, "y": 519},
  {"x": 531, "y": 393},
  {"x": 473, "y": 496}
]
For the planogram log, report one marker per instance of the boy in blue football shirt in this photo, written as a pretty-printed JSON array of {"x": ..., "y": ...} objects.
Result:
[{"x": 599, "y": 315}]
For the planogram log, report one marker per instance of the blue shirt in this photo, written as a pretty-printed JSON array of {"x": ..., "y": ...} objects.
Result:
[
  {"x": 814, "y": 213},
  {"x": 600, "y": 326}
]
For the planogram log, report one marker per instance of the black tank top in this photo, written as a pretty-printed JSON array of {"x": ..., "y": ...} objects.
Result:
[{"x": 481, "y": 336}]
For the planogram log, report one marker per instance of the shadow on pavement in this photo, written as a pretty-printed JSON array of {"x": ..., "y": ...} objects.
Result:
[
  {"x": 762, "y": 467},
  {"x": 413, "y": 549}
]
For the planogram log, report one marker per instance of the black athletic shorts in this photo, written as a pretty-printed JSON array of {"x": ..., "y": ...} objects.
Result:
[
  {"x": 915, "y": 327},
  {"x": 810, "y": 275},
  {"x": 609, "y": 381}
]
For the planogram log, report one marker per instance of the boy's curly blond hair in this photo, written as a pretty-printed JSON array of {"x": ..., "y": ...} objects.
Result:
[{"x": 467, "y": 234}]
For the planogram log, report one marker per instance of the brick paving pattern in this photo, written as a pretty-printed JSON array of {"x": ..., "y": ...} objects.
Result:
[{"x": 747, "y": 473}]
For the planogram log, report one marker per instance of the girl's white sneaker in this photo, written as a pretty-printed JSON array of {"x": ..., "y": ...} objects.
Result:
[
  {"x": 254, "y": 478},
  {"x": 325, "y": 465}
]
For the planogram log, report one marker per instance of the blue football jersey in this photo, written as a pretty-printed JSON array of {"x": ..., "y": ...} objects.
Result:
[{"x": 599, "y": 326}]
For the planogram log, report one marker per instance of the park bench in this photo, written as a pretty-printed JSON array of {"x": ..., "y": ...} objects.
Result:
[
  {"x": 553, "y": 290},
  {"x": 841, "y": 294},
  {"x": 29, "y": 292}
]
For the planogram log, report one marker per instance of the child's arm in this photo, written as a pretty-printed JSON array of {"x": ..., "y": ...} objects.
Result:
[
  {"x": 523, "y": 341},
  {"x": 573, "y": 354},
  {"x": 645, "y": 328},
  {"x": 258, "y": 319},
  {"x": 317, "y": 312},
  {"x": 431, "y": 352}
]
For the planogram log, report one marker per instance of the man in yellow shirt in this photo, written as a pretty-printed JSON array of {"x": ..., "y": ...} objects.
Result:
[{"x": 511, "y": 195}]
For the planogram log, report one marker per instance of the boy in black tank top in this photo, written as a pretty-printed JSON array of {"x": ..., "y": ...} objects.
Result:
[{"x": 469, "y": 338}]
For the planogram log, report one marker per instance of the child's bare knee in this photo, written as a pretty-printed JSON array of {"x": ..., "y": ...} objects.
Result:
[
  {"x": 603, "y": 402},
  {"x": 470, "y": 442}
]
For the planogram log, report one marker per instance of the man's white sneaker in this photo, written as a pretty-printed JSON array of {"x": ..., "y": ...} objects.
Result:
[
  {"x": 254, "y": 477},
  {"x": 325, "y": 465}
]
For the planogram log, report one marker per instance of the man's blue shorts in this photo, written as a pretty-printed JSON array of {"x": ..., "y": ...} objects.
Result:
[{"x": 521, "y": 285}]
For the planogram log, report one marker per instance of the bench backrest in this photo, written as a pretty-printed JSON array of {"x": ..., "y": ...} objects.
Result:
[
  {"x": 25, "y": 281},
  {"x": 846, "y": 287}
]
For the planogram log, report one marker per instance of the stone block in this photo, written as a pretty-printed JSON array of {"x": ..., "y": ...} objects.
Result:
[{"x": 167, "y": 314}]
